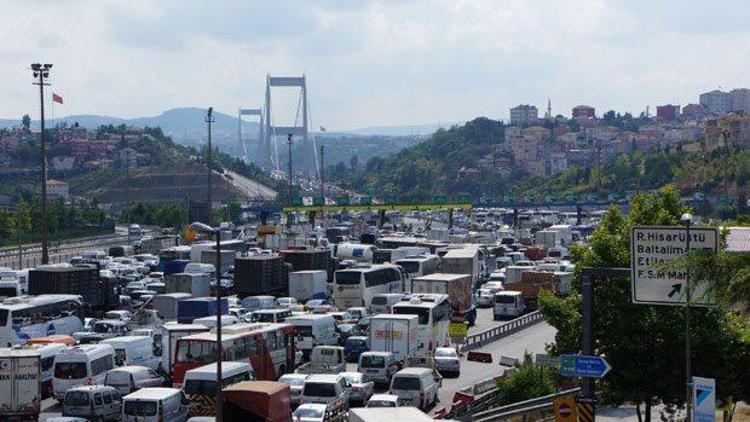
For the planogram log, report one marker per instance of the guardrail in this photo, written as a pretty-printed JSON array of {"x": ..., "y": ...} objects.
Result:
[
  {"x": 522, "y": 407},
  {"x": 476, "y": 341}
]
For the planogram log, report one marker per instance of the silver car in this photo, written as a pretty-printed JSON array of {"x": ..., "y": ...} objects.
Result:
[
  {"x": 447, "y": 361},
  {"x": 362, "y": 387},
  {"x": 296, "y": 383}
]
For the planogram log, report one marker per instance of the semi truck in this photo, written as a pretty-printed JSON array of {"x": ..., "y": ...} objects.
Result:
[
  {"x": 462, "y": 261},
  {"x": 306, "y": 285}
]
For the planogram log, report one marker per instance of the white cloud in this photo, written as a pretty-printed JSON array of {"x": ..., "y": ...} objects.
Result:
[{"x": 372, "y": 63}]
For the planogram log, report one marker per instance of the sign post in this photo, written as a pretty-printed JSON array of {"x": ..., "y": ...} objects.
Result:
[
  {"x": 583, "y": 366},
  {"x": 704, "y": 399},
  {"x": 565, "y": 409},
  {"x": 652, "y": 247}
]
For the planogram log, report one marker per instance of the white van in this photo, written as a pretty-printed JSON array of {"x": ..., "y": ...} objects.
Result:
[
  {"x": 92, "y": 402},
  {"x": 382, "y": 302},
  {"x": 210, "y": 321},
  {"x": 200, "y": 384},
  {"x": 47, "y": 352},
  {"x": 133, "y": 350},
  {"x": 155, "y": 405},
  {"x": 314, "y": 330},
  {"x": 127, "y": 379},
  {"x": 508, "y": 303},
  {"x": 415, "y": 387},
  {"x": 81, "y": 365},
  {"x": 270, "y": 315}
]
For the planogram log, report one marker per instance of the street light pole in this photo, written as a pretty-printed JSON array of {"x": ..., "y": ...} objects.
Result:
[
  {"x": 209, "y": 120},
  {"x": 289, "y": 193},
  {"x": 687, "y": 220},
  {"x": 42, "y": 72},
  {"x": 322, "y": 173}
]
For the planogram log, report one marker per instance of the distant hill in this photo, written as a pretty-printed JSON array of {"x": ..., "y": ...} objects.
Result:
[{"x": 405, "y": 130}]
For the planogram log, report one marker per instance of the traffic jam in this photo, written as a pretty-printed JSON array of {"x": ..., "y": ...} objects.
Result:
[{"x": 312, "y": 321}]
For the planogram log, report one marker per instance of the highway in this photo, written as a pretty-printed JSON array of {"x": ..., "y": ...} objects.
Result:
[{"x": 250, "y": 187}]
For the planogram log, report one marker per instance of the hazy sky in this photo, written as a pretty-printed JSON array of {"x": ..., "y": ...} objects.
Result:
[{"x": 372, "y": 63}]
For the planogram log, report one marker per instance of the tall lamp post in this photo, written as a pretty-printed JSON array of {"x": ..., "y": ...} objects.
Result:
[
  {"x": 215, "y": 231},
  {"x": 686, "y": 220},
  {"x": 41, "y": 72},
  {"x": 209, "y": 120}
]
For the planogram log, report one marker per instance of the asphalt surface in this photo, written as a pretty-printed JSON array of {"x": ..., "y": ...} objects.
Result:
[{"x": 250, "y": 187}]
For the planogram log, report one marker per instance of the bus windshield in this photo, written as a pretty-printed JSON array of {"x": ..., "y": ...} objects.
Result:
[
  {"x": 411, "y": 267},
  {"x": 424, "y": 313},
  {"x": 348, "y": 277}
]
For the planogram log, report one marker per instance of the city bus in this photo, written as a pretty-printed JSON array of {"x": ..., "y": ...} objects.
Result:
[
  {"x": 24, "y": 318},
  {"x": 268, "y": 348},
  {"x": 355, "y": 286},
  {"x": 434, "y": 311}
]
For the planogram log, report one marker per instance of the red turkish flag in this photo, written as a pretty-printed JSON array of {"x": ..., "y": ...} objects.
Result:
[{"x": 56, "y": 98}]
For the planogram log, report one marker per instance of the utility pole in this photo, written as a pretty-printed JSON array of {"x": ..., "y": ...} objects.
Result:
[
  {"x": 322, "y": 174},
  {"x": 41, "y": 71},
  {"x": 209, "y": 120},
  {"x": 18, "y": 233}
]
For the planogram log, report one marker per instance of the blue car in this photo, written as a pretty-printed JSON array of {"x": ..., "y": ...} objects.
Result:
[{"x": 354, "y": 346}]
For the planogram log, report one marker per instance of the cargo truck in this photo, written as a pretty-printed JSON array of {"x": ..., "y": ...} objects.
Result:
[
  {"x": 462, "y": 261},
  {"x": 268, "y": 401},
  {"x": 167, "y": 303},
  {"x": 531, "y": 284},
  {"x": 325, "y": 360},
  {"x": 20, "y": 384},
  {"x": 199, "y": 307},
  {"x": 398, "y": 334},
  {"x": 458, "y": 287},
  {"x": 306, "y": 285},
  {"x": 100, "y": 294}
]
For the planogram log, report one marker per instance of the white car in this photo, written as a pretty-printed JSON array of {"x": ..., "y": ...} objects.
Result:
[
  {"x": 362, "y": 387},
  {"x": 485, "y": 297},
  {"x": 447, "y": 361},
  {"x": 286, "y": 302},
  {"x": 310, "y": 412},
  {"x": 383, "y": 400}
]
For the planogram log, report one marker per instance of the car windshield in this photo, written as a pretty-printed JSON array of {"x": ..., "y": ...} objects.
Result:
[
  {"x": 505, "y": 299},
  {"x": 373, "y": 361},
  {"x": 70, "y": 370},
  {"x": 353, "y": 378},
  {"x": 381, "y": 403},
  {"x": 406, "y": 383},
  {"x": 320, "y": 389},
  {"x": 306, "y": 412},
  {"x": 445, "y": 353},
  {"x": 200, "y": 387},
  {"x": 102, "y": 328},
  {"x": 76, "y": 398},
  {"x": 296, "y": 381},
  {"x": 140, "y": 408}
]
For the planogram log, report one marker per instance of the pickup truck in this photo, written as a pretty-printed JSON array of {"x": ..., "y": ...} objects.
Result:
[{"x": 325, "y": 360}]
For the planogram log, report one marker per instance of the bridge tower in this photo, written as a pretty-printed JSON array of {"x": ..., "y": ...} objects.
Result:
[
  {"x": 269, "y": 159},
  {"x": 241, "y": 148}
]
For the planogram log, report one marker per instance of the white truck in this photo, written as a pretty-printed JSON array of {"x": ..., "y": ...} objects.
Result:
[
  {"x": 462, "y": 261},
  {"x": 401, "y": 413},
  {"x": 355, "y": 251},
  {"x": 20, "y": 383},
  {"x": 306, "y": 285},
  {"x": 398, "y": 334},
  {"x": 458, "y": 287}
]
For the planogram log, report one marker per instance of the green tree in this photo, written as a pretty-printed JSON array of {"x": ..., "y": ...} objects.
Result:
[
  {"x": 354, "y": 161},
  {"x": 644, "y": 343},
  {"x": 26, "y": 122},
  {"x": 527, "y": 382}
]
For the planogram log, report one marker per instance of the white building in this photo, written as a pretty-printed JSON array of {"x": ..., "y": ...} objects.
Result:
[
  {"x": 740, "y": 100},
  {"x": 716, "y": 101},
  {"x": 523, "y": 114},
  {"x": 58, "y": 189}
]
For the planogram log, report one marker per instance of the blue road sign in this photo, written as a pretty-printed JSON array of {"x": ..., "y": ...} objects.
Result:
[{"x": 583, "y": 366}]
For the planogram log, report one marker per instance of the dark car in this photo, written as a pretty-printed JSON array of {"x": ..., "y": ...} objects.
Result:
[{"x": 355, "y": 346}]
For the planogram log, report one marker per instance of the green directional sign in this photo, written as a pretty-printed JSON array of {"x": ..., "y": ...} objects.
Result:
[
  {"x": 319, "y": 201},
  {"x": 441, "y": 199},
  {"x": 365, "y": 200},
  {"x": 343, "y": 200},
  {"x": 297, "y": 201},
  {"x": 463, "y": 199}
]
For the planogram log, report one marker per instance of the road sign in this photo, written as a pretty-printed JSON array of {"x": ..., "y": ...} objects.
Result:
[
  {"x": 704, "y": 399},
  {"x": 583, "y": 366},
  {"x": 565, "y": 409},
  {"x": 651, "y": 247},
  {"x": 509, "y": 361},
  {"x": 458, "y": 330},
  {"x": 548, "y": 361}
]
